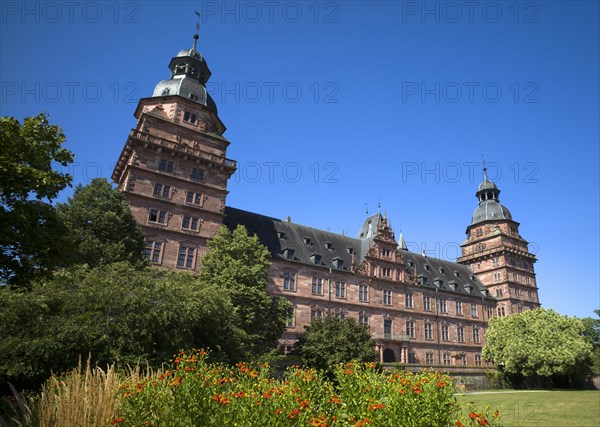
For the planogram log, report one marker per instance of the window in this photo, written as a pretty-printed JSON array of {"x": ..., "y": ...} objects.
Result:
[
  {"x": 339, "y": 263},
  {"x": 289, "y": 281},
  {"x": 329, "y": 246},
  {"x": 161, "y": 190},
  {"x": 387, "y": 297},
  {"x": 185, "y": 258},
  {"x": 385, "y": 253},
  {"x": 317, "y": 286},
  {"x": 316, "y": 259},
  {"x": 288, "y": 253},
  {"x": 363, "y": 319},
  {"x": 529, "y": 294},
  {"x": 315, "y": 313},
  {"x": 190, "y": 223},
  {"x": 429, "y": 358},
  {"x": 476, "y": 334},
  {"x": 428, "y": 331},
  {"x": 443, "y": 307},
  {"x": 340, "y": 289},
  {"x": 528, "y": 280},
  {"x": 490, "y": 312},
  {"x": 153, "y": 250},
  {"x": 197, "y": 174},
  {"x": 479, "y": 232},
  {"x": 412, "y": 356},
  {"x": 463, "y": 359},
  {"x": 426, "y": 303},
  {"x": 501, "y": 311},
  {"x": 386, "y": 272},
  {"x": 460, "y": 333},
  {"x": 445, "y": 333},
  {"x": 410, "y": 328},
  {"x": 497, "y": 277},
  {"x": 363, "y": 293},
  {"x": 518, "y": 292},
  {"x": 189, "y": 117},
  {"x": 459, "y": 309},
  {"x": 408, "y": 300},
  {"x": 478, "y": 360},
  {"x": 473, "y": 310},
  {"x": 156, "y": 216},
  {"x": 165, "y": 166},
  {"x": 496, "y": 262},
  {"x": 520, "y": 309},
  {"x": 195, "y": 198},
  {"x": 387, "y": 329},
  {"x": 498, "y": 293},
  {"x": 291, "y": 320},
  {"x": 446, "y": 358}
]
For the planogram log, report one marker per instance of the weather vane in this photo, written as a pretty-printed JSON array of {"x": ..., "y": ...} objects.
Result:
[{"x": 197, "y": 28}]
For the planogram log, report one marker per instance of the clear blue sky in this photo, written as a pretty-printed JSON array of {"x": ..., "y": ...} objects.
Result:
[{"x": 332, "y": 105}]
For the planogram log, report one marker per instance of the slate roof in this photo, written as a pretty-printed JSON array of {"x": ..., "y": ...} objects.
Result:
[{"x": 282, "y": 237}]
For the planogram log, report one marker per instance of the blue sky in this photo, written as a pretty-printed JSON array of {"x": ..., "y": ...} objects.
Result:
[{"x": 334, "y": 105}]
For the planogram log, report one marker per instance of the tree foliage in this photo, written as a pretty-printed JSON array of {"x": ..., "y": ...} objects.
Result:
[
  {"x": 115, "y": 313},
  {"x": 238, "y": 264},
  {"x": 32, "y": 238},
  {"x": 537, "y": 342},
  {"x": 328, "y": 341},
  {"x": 592, "y": 333},
  {"x": 102, "y": 226}
]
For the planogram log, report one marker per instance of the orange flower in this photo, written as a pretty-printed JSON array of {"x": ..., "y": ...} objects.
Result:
[
  {"x": 267, "y": 395},
  {"x": 175, "y": 381},
  {"x": 473, "y": 415},
  {"x": 335, "y": 400},
  {"x": 117, "y": 420},
  {"x": 348, "y": 371},
  {"x": 378, "y": 406},
  {"x": 457, "y": 423},
  {"x": 294, "y": 414},
  {"x": 402, "y": 391},
  {"x": 441, "y": 384},
  {"x": 277, "y": 412},
  {"x": 496, "y": 413},
  {"x": 482, "y": 421},
  {"x": 303, "y": 403}
]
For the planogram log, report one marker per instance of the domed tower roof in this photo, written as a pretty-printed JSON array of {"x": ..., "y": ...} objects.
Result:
[
  {"x": 489, "y": 208},
  {"x": 189, "y": 74}
]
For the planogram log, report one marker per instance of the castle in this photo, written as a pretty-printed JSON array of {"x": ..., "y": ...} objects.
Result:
[{"x": 173, "y": 171}]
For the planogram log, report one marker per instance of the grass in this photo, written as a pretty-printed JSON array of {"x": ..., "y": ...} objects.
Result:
[{"x": 542, "y": 408}]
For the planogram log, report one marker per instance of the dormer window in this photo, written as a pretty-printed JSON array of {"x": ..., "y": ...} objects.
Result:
[
  {"x": 288, "y": 253},
  {"x": 422, "y": 280},
  {"x": 454, "y": 286},
  {"x": 411, "y": 264},
  {"x": 438, "y": 283},
  {"x": 329, "y": 245},
  {"x": 339, "y": 263},
  {"x": 426, "y": 267},
  {"x": 316, "y": 259},
  {"x": 165, "y": 92},
  {"x": 281, "y": 234},
  {"x": 307, "y": 241},
  {"x": 193, "y": 97},
  {"x": 456, "y": 274},
  {"x": 441, "y": 270},
  {"x": 350, "y": 250}
]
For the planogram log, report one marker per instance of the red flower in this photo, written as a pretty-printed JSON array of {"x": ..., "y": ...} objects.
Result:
[
  {"x": 441, "y": 384},
  {"x": 457, "y": 423},
  {"x": 473, "y": 415},
  {"x": 117, "y": 420}
]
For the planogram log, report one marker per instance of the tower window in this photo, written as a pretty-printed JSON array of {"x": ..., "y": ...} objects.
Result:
[
  {"x": 165, "y": 166},
  {"x": 363, "y": 293},
  {"x": 161, "y": 190},
  {"x": 189, "y": 117},
  {"x": 190, "y": 223},
  {"x": 197, "y": 174},
  {"x": 387, "y": 297},
  {"x": 153, "y": 250},
  {"x": 165, "y": 92},
  {"x": 195, "y": 198},
  {"x": 185, "y": 258},
  {"x": 193, "y": 97},
  {"x": 156, "y": 216},
  {"x": 289, "y": 281},
  {"x": 340, "y": 289}
]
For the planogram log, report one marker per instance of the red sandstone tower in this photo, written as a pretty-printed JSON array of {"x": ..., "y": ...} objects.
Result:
[
  {"x": 495, "y": 251},
  {"x": 173, "y": 170}
]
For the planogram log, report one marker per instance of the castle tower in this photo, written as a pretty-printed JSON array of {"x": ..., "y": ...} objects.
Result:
[
  {"x": 173, "y": 170},
  {"x": 498, "y": 255}
]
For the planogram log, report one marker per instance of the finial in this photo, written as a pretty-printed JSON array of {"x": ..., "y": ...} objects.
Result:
[
  {"x": 367, "y": 209},
  {"x": 378, "y": 205},
  {"x": 196, "y": 37},
  {"x": 485, "y": 178}
]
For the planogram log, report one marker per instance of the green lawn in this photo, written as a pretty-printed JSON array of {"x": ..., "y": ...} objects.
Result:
[{"x": 542, "y": 408}]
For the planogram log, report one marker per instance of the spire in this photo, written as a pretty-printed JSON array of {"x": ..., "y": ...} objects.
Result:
[
  {"x": 401, "y": 243},
  {"x": 196, "y": 37},
  {"x": 485, "y": 177}
]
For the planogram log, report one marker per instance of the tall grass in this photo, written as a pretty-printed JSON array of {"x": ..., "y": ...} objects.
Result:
[{"x": 81, "y": 397}]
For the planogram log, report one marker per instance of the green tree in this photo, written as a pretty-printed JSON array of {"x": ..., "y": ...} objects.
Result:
[
  {"x": 328, "y": 341},
  {"x": 538, "y": 342},
  {"x": 592, "y": 333},
  {"x": 239, "y": 263},
  {"x": 102, "y": 226},
  {"x": 115, "y": 313},
  {"x": 32, "y": 238}
]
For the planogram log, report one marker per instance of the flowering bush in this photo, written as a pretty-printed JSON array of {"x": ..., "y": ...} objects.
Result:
[{"x": 196, "y": 393}]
